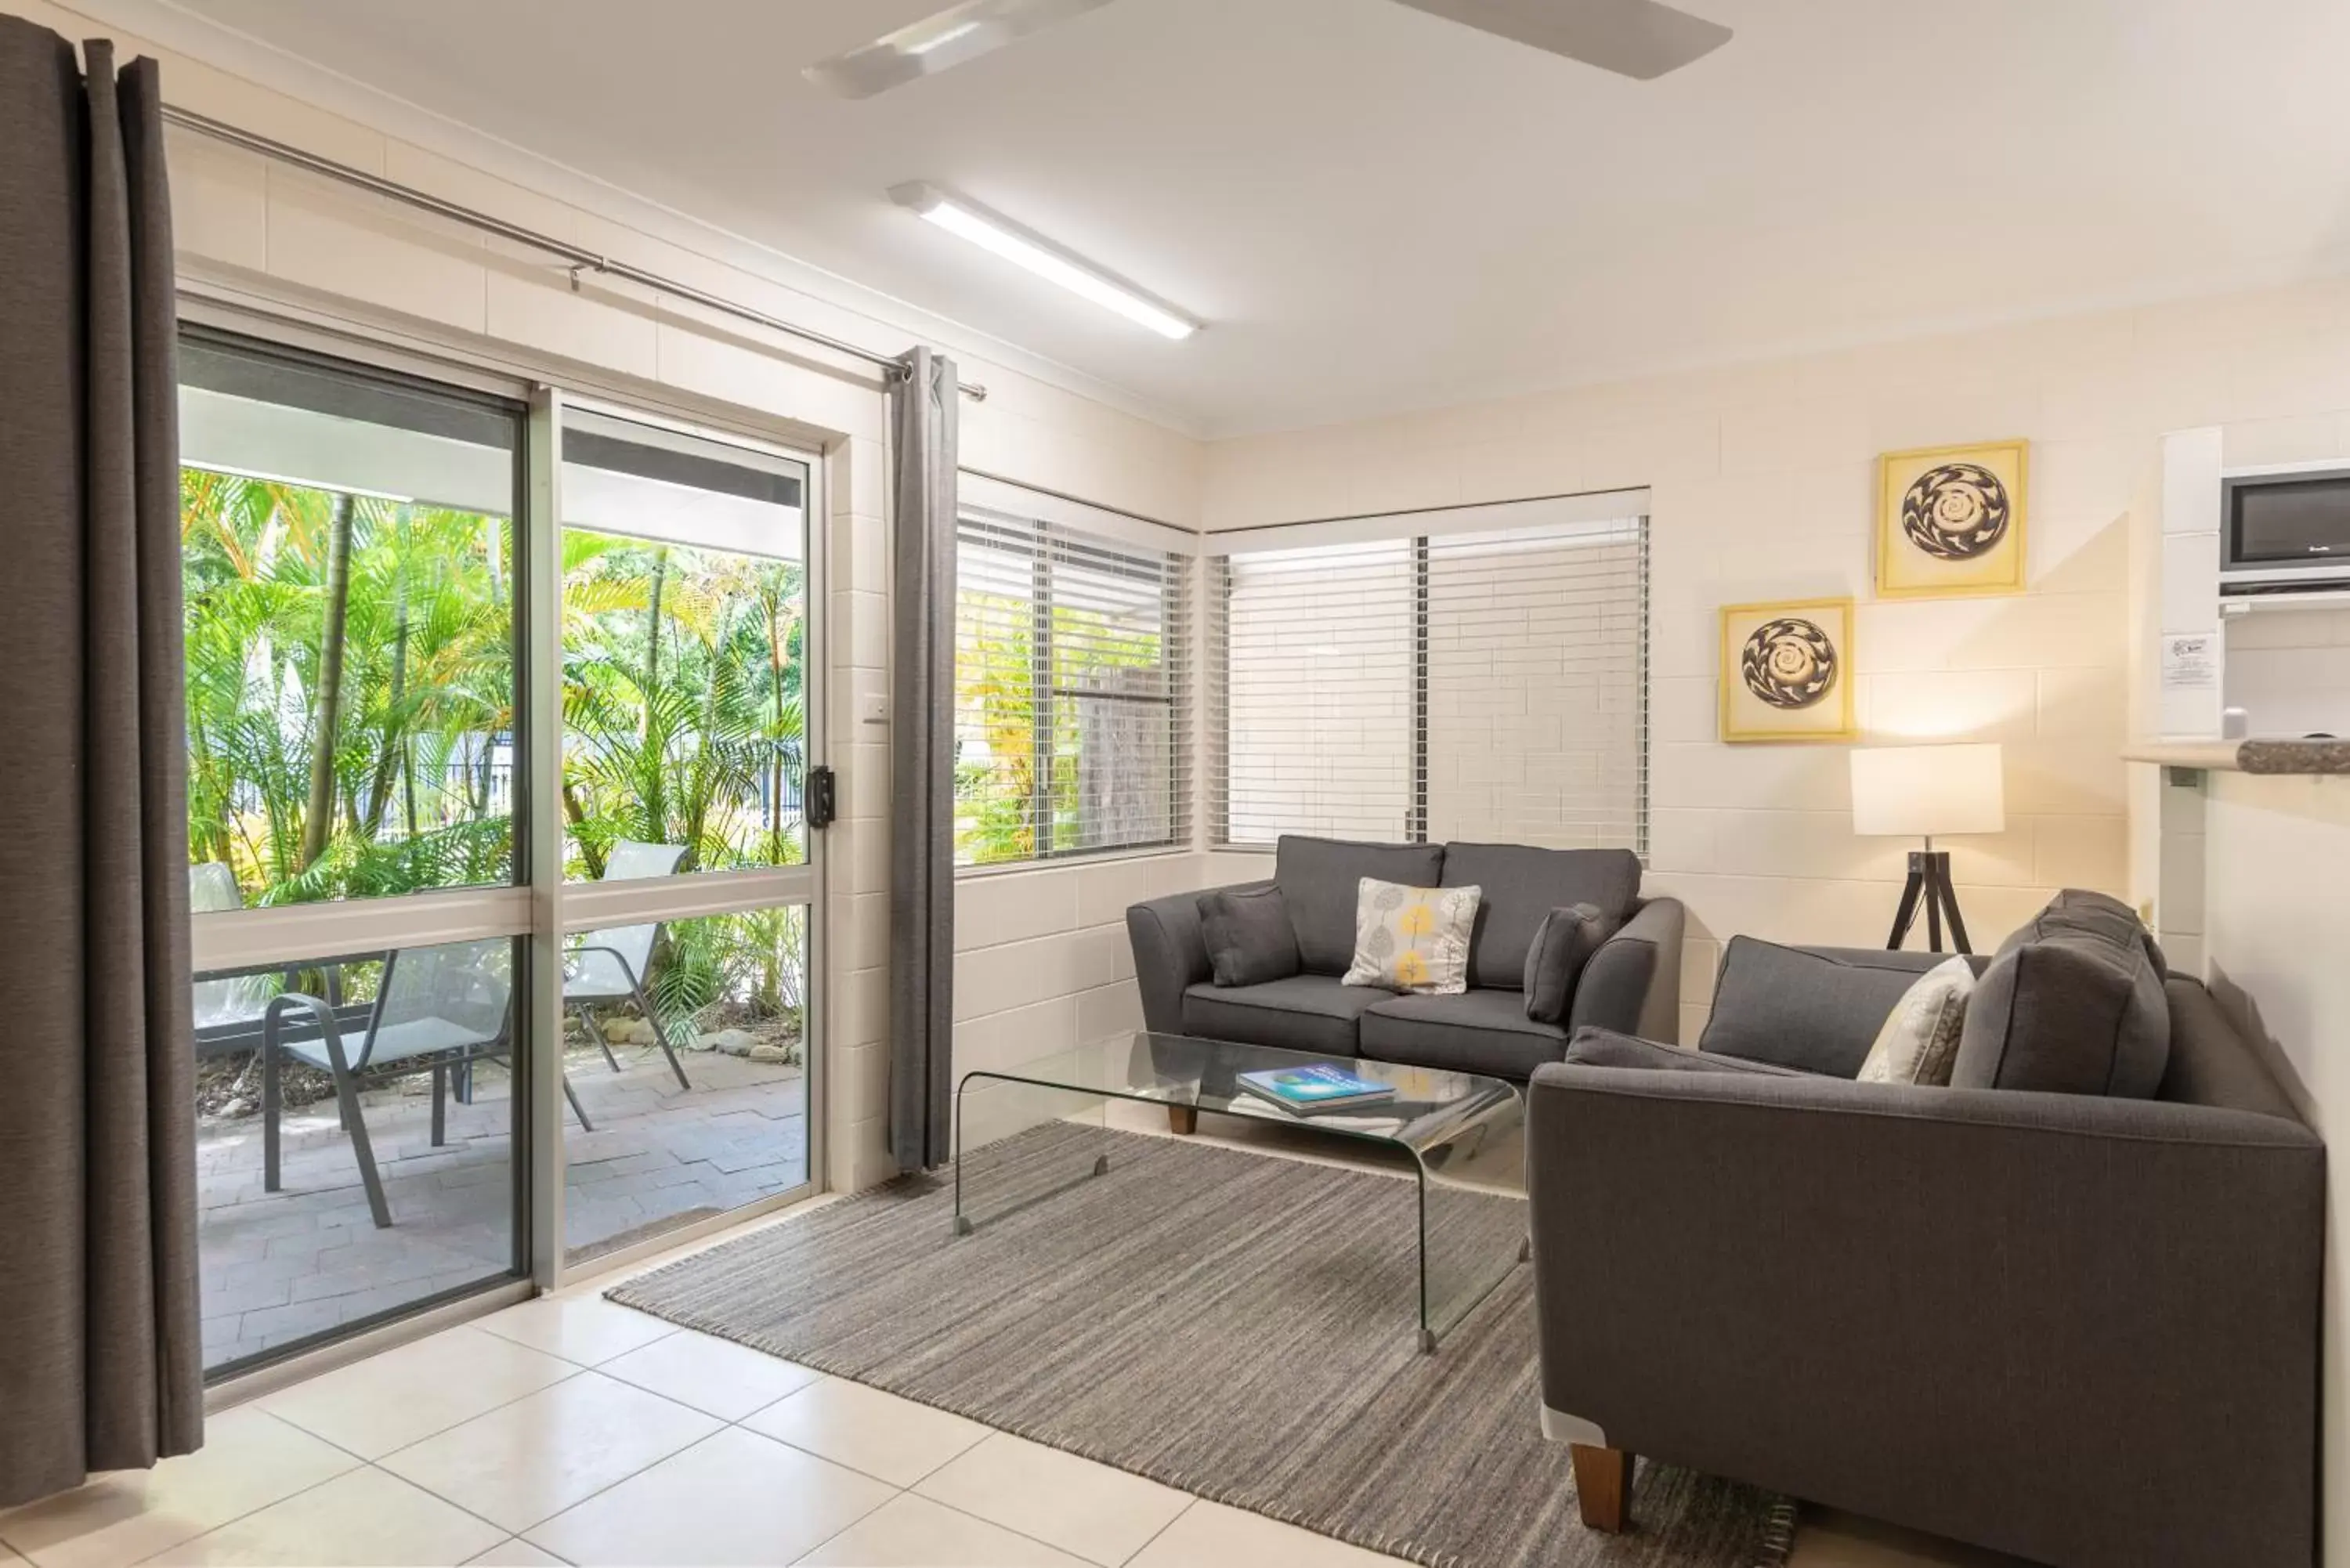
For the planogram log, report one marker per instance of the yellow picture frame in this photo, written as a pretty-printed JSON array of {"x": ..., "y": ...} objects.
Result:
[
  {"x": 1786, "y": 672},
  {"x": 1951, "y": 521}
]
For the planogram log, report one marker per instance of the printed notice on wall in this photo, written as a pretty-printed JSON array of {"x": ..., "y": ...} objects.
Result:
[{"x": 2190, "y": 661}]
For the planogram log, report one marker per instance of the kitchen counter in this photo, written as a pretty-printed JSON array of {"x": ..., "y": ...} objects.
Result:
[{"x": 2248, "y": 756}]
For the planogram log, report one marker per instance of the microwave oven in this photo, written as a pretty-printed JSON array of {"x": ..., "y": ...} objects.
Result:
[{"x": 2286, "y": 530}]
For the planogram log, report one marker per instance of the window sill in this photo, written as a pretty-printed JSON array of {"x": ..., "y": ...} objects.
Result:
[{"x": 1072, "y": 862}]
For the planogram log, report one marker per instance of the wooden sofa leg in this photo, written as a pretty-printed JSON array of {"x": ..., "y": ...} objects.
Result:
[
  {"x": 1603, "y": 1485},
  {"x": 1183, "y": 1119}
]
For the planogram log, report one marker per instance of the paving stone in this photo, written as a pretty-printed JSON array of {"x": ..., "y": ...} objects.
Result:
[
  {"x": 243, "y": 1298},
  {"x": 658, "y": 1153}
]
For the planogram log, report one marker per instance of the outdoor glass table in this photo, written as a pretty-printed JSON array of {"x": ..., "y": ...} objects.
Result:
[{"x": 1465, "y": 1136}]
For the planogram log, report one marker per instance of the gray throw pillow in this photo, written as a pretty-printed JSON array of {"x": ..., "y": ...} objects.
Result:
[
  {"x": 2073, "y": 1004},
  {"x": 1250, "y": 940},
  {"x": 1817, "y": 1010},
  {"x": 1562, "y": 944},
  {"x": 1596, "y": 1047},
  {"x": 2078, "y": 907}
]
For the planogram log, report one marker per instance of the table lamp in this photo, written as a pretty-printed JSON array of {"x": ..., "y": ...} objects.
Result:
[{"x": 1921, "y": 791}]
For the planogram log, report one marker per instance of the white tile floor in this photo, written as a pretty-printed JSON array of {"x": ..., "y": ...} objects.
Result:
[{"x": 572, "y": 1430}]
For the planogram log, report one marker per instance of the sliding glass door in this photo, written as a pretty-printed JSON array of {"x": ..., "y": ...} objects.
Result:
[
  {"x": 353, "y": 665},
  {"x": 500, "y": 717},
  {"x": 686, "y": 700}
]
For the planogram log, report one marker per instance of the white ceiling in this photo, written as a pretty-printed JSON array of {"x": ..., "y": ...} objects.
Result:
[{"x": 1376, "y": 210}]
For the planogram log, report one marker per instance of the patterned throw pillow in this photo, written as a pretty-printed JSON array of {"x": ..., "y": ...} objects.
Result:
[
  {"x": 1413, "y": 939},
  {"x": 1920, "y": 1041}
]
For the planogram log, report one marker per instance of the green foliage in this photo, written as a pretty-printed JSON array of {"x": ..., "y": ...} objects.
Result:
[
  {"x": 683, "y": 702},
  {"x": 428, "y": 680},
  {"x": 995, "y": 690},
  {"x": 1006, "y": 807},
  {"x": 756, "y": 959},
  {"x": 682, "y": 697}
]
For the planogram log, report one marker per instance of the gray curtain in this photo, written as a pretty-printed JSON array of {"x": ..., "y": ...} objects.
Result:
[
  {"x": 100, "y": 1363},
  {"x": 922, "y": 766}
]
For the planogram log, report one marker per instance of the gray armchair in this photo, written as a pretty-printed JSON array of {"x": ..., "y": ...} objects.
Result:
[{"x": 2077, "y": 1328}]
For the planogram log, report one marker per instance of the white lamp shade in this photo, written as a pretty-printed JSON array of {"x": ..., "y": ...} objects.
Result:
[{"x": 1925, "y": 791}]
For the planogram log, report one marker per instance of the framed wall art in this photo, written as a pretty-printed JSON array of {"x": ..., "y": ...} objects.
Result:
[
  {"x": 1950, "y": 520},
  {"x": 1786, "y": 671}
]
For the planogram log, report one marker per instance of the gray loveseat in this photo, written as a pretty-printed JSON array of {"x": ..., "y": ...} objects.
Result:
[
  {"x": 1632, "y": 981},
  {"x": 2076, "y": 1326}
]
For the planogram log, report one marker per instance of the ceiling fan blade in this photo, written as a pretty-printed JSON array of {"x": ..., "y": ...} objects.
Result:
[
  {"x": 1639, "y": 38},
  {"x": 935, "y": 43}
]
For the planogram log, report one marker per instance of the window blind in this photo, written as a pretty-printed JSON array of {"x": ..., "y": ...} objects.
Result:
[
  {"x": 1472, "y": 684},
  {"x": 1071, "y": 678},
  {"x": 1314, "y": 691}
]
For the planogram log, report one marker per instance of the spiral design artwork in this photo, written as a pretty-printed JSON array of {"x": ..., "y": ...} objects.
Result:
[
  {"x": 1788, "y": 663},
  {"x": 1956, "y": 511}
]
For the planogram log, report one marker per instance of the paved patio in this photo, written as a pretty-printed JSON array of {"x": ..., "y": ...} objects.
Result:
[{"x": 286, "y": 1266}]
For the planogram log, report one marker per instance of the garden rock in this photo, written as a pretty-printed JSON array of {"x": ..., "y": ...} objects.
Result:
[{"x": 786, "y": 1055}]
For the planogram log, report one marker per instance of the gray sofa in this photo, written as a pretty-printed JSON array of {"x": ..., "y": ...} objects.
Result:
[
  {"x": 2076, "y": 1326},
  {"x": 1632, "y": 981}
]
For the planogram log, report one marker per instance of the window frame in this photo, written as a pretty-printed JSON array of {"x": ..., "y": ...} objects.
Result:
[
  {"x": 744, "y": 887},
  {"x": 403, "y": 372},
  {"x": 1053, "y": 523},
  {"x": 537, "y": 908},
  {"x": 1419, "y": 532}
]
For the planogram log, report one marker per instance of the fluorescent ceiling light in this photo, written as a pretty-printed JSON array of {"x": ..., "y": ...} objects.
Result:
[{"x": 960, "y": 215}]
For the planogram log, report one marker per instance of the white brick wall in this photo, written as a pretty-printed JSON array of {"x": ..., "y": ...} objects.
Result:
[
  {"x": 1761, "y": 476},
  {"x": 275, "y": 233},
  {"x": 1762, "y": 482},
  {"x": 1042, "y": 962},
  {"x": 2289, "y": 670}
]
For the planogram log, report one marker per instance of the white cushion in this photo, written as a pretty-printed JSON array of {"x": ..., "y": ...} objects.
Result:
[
  {"x": 1920, "y": 1041},
  {"x": 393, "y": 1042},
  {"x": 1412, "y": 939}
]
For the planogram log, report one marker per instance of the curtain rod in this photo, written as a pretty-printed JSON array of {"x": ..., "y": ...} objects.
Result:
[{"x": 581, "y": 260}]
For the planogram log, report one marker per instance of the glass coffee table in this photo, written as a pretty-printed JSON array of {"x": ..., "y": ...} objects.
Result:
[{"x": 1465, "y": 1134}]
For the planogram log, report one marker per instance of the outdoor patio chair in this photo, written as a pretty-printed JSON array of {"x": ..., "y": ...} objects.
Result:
[
  {"x": 437, "y": 1009},
  {"x": 220, "y": 1003},
  {"x": 230, "y": 1003},
  {"x": 609, "y": 966}
]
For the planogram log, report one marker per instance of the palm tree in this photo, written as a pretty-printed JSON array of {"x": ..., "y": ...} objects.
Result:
[
  {"x": 350, "y": 678},
  {"x": 319, "y": 816},
  {"x": 681, "y": 701},
  {"x": 332, "y": 643}
]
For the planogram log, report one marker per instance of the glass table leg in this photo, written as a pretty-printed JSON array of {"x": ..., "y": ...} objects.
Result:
[
  {"x": 1473, "y": 1217},
  {"x": 1019, "y": 1144}
]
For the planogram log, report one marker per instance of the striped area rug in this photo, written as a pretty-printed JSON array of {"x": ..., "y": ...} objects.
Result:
[{"x": 1235, "y": 1325}]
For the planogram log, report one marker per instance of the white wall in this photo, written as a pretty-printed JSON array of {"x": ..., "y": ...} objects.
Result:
[
  {"x": 2277, "y": 924},
  {"x": 2289, "y": 670},
  {"x": 269, "y": 234},
  {"x": 1042, "y": 962},
  {"x": 1762, "y": 479},
  {"x": 1761, "y": 476}
]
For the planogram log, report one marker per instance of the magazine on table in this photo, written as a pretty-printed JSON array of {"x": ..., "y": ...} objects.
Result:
[
  {"x": 1318, "y": 1090},
  {"x": 1360, "y": 1119}
]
